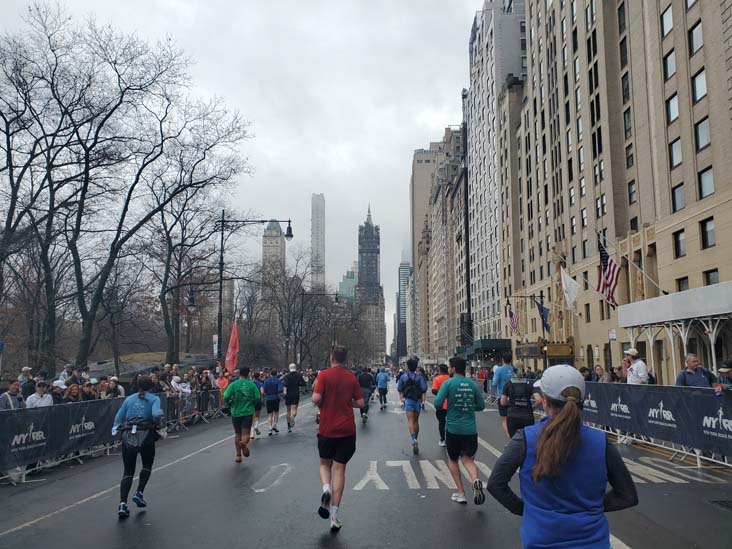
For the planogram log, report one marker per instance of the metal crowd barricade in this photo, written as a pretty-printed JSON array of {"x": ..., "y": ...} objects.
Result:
[{"x": 184, "y": 410}]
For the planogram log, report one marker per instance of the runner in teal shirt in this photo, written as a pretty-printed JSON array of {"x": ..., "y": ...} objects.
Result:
[{"x": 464, "y": 398}]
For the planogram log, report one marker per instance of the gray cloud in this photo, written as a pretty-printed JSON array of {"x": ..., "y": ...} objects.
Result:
[{"x": 339, "y": 93}]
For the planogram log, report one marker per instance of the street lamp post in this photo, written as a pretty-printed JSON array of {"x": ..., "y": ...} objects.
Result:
[{"x": 239, "y": 223}]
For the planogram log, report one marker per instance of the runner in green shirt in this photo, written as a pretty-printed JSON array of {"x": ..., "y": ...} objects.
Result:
[
  {"x": 464, "y": 398},
  {"x": 241, "y": 396}
]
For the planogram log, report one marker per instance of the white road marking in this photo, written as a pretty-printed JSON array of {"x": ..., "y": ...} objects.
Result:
[
  {"x": 652, "y": 475},
  {"x": 409, "y": 475},
  {"x": 698, "y": 475},
  {"x": 371, "y": 475},
  {"x": 489, "y": 447},
  {"x": 107, "y": 491},
  {"x": 482, "y": 467},
  {"x": 432, "y": 474},
  {"x": 615, "y": 543},
  {"x": 283, "y": 469}
]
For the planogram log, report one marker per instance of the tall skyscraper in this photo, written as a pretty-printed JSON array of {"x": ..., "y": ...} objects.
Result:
[
  {"x": 273, "y": 248},
  {"x": 496, "y": 50},
  {"x": 317, "y": 242},
  {"x": 369, "y": 292},
  {"x": 405, "y": 269}
]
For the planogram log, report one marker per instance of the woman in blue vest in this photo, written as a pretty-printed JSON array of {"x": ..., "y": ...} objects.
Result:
[{"x": 565, "y": 469}]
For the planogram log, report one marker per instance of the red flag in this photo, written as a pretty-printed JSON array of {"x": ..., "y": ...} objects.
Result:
[{"x": 233, "y": 350}]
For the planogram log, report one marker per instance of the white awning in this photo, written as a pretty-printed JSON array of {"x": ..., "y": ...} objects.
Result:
[{"x": 698, "y": 303}]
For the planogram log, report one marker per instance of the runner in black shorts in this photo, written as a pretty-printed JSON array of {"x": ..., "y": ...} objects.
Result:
[
  {"x": 292, "y": 383},
  {"x": 461, "y": 445},
  {"x": 340, "y": 450},
  {"x": 517, "y": 401},
  {"x": 257, "y": 405},
  {"x": 272, "y": 389}
]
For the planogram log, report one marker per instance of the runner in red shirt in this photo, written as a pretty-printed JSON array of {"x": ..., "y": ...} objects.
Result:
[
  {"x": 336, "y": 393},
  {"x": 441, "y": 413}
]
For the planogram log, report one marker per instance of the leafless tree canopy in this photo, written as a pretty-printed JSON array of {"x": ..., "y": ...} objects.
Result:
[{"x": 107, "y": 162}]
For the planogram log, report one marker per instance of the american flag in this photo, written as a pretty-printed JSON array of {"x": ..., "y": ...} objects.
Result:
[
  {"x": 608, "y": 276},
  {"x": 513, "y": 321}
]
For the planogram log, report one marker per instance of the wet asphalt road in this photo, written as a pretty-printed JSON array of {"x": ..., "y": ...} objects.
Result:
[{"x": 200, "y": 498}]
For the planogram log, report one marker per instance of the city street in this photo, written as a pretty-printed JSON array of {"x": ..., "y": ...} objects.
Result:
[{"x": 199, "y": 497}]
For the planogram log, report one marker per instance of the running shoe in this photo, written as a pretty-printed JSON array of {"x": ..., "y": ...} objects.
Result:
[
  {"x": 139, "y": 499},
  {"x": 415, "y": 447},
  {"x": 442, "y": 443},
  {"x": 364, "y": 418},
  {"x": 123, "y": 511},
  {"x": 270, "y": 432},
  {"x": 458, "y": 497},
  {"x": 324, "y": 509},
  {"x": 256, "y": 430},
  {"x": 237, "y": 458},
  {"x": 275, "y": 429},
  {"x": 244, "y": 449},
  {"x": 289, "y": 429},
  {"x": 335, "y": 524},
  {"x": 478, "y": 495}
]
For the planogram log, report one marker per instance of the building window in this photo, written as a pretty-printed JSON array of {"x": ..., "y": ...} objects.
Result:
[
  {"x": 632, "y": 193},
  {"x": 574, "y": 254},
  {"x": 708, "y": 236},
  {"x": 696, "y": 38},
  {"x": 679, "y": 244},
  {"x": 702, "y": 135},
  {"x": 587, "y": 313},
  {"x": 678, "y": 198},
  {"x": 711, "y": 277},
  {"x": 571, "y": 196},
  {"x": 579, "y": 129},
  {"x": 576, "y": 69},
  {"x": 672, "y": 108},
  {"x": 699, "y": 85},
  {"x": 690, "y": 3},
  {"x": 706, "y": 183},
  {"x": 585, "y": 249},
  {"x": 583, "y": 189},
  {"x": 669, "y": 65},
  {"x": 625, "y": 85},
  {"x": 629, "y": 161},
  {"x": 634, "y": 224},
  {"x": 573, "y": 222},
  {"x": 623, "y": 53},
  {"x": 577, "y": 101},
  {"x": 621, "y": 18},
  {"x": 667, "y": 22},
  {"x": 585, "y": 281},
  {"x": 581, "y": 159},
  {"x": 674, "y": 153},
  {"x": 584, "y": 217},
  {"x": 627, "y": 123},
  {"x": 682, "y": 284}
]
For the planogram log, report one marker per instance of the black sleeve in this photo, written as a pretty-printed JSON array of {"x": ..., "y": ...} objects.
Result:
[
  {"x": 623, "y": 493},
  {"x": 506, "y": 466}
]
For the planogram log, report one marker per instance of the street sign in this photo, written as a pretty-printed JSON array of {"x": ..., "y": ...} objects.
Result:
[{"x": 612, "y": 335}]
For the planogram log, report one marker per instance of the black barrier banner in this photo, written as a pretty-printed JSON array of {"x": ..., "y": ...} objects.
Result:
[
  {"x": 29, "y": 436},
  {"x": 695, "y": 417}
]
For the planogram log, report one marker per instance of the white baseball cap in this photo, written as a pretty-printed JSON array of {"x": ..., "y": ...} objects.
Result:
[
  {"x": 60, "y": 384},
  {"x": 557, "y": 378},
  {"x": 293, "y": 367},
  {"x": 632, "y": 352}
]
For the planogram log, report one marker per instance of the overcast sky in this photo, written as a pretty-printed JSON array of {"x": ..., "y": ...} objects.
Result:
[{"x": 339, "y": 92}]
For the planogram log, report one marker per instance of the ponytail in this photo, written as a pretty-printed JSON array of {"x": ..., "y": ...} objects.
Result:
[
  {"x": 560, "y": 436},
  {"x": 144, "y": 384}
]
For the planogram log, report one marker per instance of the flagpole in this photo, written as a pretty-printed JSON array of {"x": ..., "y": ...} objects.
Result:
[
  {"x": 543, "y": 329},
  {"x": 587, "y": 280},
  {"x": 630, "y": 262}
]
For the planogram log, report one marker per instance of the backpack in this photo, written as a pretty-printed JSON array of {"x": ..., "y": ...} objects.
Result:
[{"x": 412, "y": 388}]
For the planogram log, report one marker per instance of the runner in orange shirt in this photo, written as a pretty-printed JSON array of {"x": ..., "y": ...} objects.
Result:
[{"x": 441, "y": 413}]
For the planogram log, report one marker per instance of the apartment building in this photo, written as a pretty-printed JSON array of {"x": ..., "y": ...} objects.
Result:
[{"x": 623, "y": 137}]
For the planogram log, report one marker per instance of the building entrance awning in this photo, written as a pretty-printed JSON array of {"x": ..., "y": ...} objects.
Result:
[{"x": 707, "y": 310}]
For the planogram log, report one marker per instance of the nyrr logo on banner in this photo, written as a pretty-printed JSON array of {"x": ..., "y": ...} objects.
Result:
[
  {"x": 620, "y": 409},
  {"x": 590, "y": 405},
  {"x": 719, "y": 423},
  {"x": 30, "y": 439},
  {"x": 81, "y": 429},
  {"x": 661, "y": 416}
]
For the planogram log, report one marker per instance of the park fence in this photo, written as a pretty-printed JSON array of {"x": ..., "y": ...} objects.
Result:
[
  {"x": 32, "y": 439},
  {"x": 697, "y": 419}
]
